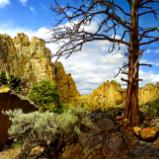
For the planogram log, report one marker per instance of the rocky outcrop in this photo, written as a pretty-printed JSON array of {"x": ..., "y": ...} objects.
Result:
[
  {"x": 9, "y": 100},
  {"x": 149, "y": 93},
  {"x": 65, "y": 83},
  {"x": 31, "y": 60},
  {"x": 111, "y": 94},
  {"x": 107, "y": 95}
]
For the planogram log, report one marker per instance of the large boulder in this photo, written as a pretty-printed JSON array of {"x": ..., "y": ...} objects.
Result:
[
  {"x": 147, "y": 134},
  {"x": 9, "y": 100}
]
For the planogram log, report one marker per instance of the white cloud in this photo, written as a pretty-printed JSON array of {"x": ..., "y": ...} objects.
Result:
[
  {"x": 90, "y": 67},
  {"x": 32, "y": 8},
  {"x": 7, "y": 28},
  {"x": 148, "y": 77},
  {"x": 154, "y": 51},
  {"x": 153, "y": 63},
  {"x": 24, "y": 2},
  {"x": 3, "y": 3}
]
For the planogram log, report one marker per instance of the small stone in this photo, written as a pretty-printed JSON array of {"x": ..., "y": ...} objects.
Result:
[
  {"x": 37, "y": 150},
  {"x": 137, "y": 130},
  {"x": 149, "y": 134},
  {"x": 146, "y": 134},
  {"x": 141, "y": 142}
]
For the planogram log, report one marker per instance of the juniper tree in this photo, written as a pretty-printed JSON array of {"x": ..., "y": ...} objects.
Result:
[{"x": 118, "y": 23}]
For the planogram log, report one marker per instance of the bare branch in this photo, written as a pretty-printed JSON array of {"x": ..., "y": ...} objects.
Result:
[
  {"x": 145, "y": 64},
  {"x": 121, "y": 69},
  {"x": 150, "y": 41}
]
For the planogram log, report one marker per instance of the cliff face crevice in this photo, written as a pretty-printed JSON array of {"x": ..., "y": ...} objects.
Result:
[{"x": 31, "y": 60}]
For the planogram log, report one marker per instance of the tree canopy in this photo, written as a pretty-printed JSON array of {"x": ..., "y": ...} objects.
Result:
[{"x": 45, "y": 95}]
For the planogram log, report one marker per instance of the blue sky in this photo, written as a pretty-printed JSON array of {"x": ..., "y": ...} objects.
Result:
[
  {"x": 31, "y": 14},
  {"x": 89, "y": 68}
]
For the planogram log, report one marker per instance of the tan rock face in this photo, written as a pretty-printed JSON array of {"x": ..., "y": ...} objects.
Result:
[
  {"x": 31, "y": 60},
  {"x": 7, "y": 52},
  {"x": 109, "y": 94},
  {"x": 65, "y": 84},
  {"x": 149, "y": 93}
]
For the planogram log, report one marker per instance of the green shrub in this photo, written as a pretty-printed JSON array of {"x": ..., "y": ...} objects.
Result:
[
  {"x": 153, "y": 109},
  {"x": 45, "y": 95},
  {"x": 13, "y": 82},
  {"x": 3, "y": 79},
  {"x": 49, "y": 129}
]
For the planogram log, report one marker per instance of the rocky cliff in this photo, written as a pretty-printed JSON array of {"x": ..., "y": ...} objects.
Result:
[
  {"x": 108, "y": 94},
  {"x": 149, "y": 93},
  {"x": 65, "y": 83},
  {"x": 111, "y": 94},
  {"x": 31, "y": 60}
]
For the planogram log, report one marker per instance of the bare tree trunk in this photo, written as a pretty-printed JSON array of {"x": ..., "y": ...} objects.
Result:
[{"x": 132, "y": 110}]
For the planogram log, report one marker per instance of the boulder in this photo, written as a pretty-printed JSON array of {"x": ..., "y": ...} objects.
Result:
[
  {"x": 147, "y": 134},
  {"x": 103, "y": 140},
  {"x": 9, "y": 100}
]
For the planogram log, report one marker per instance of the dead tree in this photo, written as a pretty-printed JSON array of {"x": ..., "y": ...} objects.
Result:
[{"x": 117, "y": 23}]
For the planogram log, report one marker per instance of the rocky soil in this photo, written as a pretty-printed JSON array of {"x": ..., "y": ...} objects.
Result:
[{"x": 107, "y": 139}]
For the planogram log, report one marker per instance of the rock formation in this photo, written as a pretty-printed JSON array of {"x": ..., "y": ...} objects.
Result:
[
  {"x": 110, "y": 94},
  {"x": 65, "y": 83},
  {"x": 149, "y": 93},
  {"x": 107, "y": 95},
  {"x": 11, "y": 100},
  {"x": 31, "y": 60}
]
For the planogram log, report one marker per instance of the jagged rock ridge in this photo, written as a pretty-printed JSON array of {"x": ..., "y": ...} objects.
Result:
[
  {"x": 110, "y": 94},
  {"x": 31, "y": 60}
]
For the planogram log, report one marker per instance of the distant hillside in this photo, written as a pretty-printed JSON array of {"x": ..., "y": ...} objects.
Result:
[
  {"x": 149, "y": 93},
  {"x": 110, "y": 94},
  {"x": 31, "y": 60}
]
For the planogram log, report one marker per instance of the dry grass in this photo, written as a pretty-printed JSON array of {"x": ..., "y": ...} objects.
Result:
[{"x": 9, "y": 154}]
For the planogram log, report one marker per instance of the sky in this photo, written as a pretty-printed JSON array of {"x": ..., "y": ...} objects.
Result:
[{"x": 90, "y": 67}]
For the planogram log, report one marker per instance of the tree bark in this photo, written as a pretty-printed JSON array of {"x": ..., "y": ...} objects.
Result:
[{"x": 132, "y": 110}]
